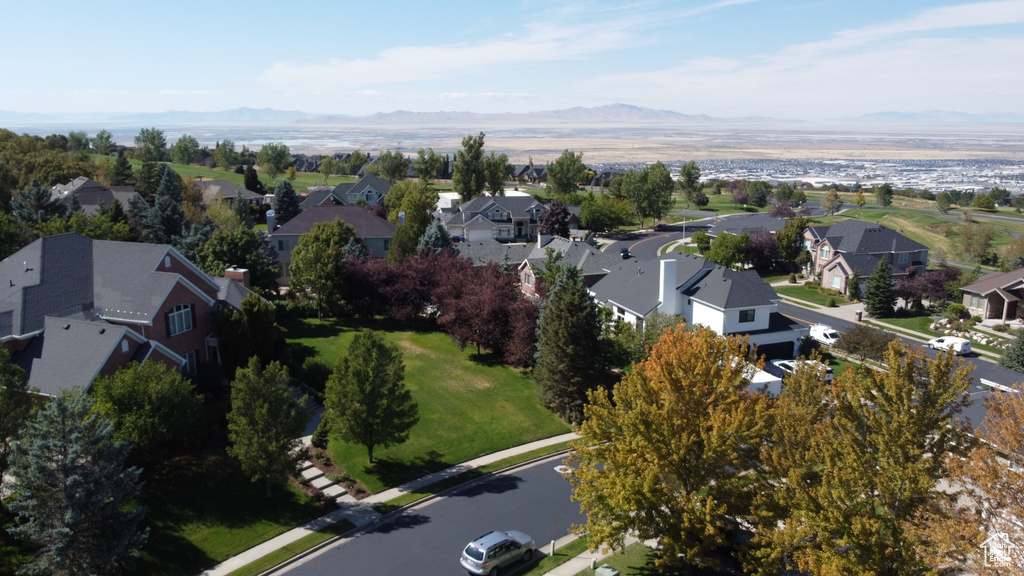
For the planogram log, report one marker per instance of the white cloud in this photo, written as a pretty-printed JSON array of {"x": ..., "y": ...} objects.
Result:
[{"x": 905, "y": 65}]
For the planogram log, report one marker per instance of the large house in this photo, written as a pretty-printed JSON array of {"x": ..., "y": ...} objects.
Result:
[
  {"x": 996, "y": 295},
  {"x": 503, "y": 218},
  {"x": 74, "y": 308},
  {"x": 702, "y": 292},
  {"x": 92, "y": 195},
  {"x": 225, "y": 191},
  {"x": 374, "y": 231},
  {"x": 840, "y": 250},
  {"x": 369, "y": 189}
]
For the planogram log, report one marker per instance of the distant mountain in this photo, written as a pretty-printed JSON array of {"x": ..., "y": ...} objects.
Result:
[
  {"x": 237, "y": 116},
  {"x": 609, "y": 114},
  {"x": 941, "y": 117}
]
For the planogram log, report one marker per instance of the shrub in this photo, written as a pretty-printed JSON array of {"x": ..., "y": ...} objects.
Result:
[
  {"x": 1001, "y": 328},
  {"x": 812, "y": 284},
  {"x": 321, "y": 435},
  {"x": 956, "y": 311},
  {"x": 792, "y": 278},
  {"x": 831, "y": 302},
  {"x": 831, "y": 292},
  {"x": 315, "y": 374},
  {"x": 975, "y": 319}
]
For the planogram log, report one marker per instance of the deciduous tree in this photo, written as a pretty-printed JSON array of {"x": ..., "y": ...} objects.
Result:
[
  {"x": 409, "y": 206},
  {"x": 427, "y": 165},
  {"x": 468, "y": 176},
  {"x": 565, "y": 173},
  {"x": 265, "y": 423},
  {"x": 663, "y": 457},
  {"x": 103, "y": 142},
  {"x": 865, "y": 341},
  {"x": 150, "y": 145},
  {"x": 391, "y": 166},
  {"x": 150, "y": 404},
  {"x": 689, "y": 181},
  {"x": 831, "y": 202},
  {"x": 883, "y": 194},
  {"x": 317, "y": 268},
  {"x": 74, "y": 492},
  {"x": 495, "y": 172},
  {"x": 225, "y": 156},
  {"x": 241, "y": 247},
  {"x": 185, "y": 150},
  {"x": 366, "y": 399},
  {"x": 790, "y": 239},
  {"x": 554, "y": 220},
  {"x": 649, "y": 191},
  {"x": 274, "y": 158},
  {"x": 731, "y": 250}
]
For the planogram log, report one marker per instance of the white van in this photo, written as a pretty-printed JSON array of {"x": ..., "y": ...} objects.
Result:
[
  {"x": 824, "y": 334},
  {"x": 959, "y": 346}
]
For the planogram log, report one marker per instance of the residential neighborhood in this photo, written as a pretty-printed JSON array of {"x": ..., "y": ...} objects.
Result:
[{"x": 532, "y": 316}]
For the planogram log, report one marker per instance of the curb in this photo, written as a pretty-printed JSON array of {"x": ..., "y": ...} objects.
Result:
[{"x": 355, "y": 531}]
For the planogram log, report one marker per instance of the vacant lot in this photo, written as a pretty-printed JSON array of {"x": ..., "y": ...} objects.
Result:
[{"x": 469, "y": 405}]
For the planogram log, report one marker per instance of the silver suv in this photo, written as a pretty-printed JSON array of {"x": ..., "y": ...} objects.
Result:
[{"x": 496, "y": 550}]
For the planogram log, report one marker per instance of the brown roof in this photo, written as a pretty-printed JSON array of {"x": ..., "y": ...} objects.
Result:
[
  {"x": 995, "y": 280},
  {"x": 366, "y": 223}
]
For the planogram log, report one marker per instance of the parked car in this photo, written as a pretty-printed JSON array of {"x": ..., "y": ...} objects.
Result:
[
  {"x": 495, "y": 550},
  {"x": 824, "y": 334},
  {"x": 959, "y": 346},
  {"x": 787, "y": 367},
  {"x": 660, "y": 227}
]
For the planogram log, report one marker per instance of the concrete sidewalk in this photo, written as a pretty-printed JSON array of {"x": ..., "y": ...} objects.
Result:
[{"x": 361, "y": 512}]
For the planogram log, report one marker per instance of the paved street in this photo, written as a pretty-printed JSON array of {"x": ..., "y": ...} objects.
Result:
[{"x": 428, "y": 539}]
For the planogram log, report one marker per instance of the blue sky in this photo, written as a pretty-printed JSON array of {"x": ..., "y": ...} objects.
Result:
[{"x": 810, "y": 59}]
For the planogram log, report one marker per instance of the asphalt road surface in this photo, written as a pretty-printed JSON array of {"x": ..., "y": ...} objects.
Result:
[{"x": 428, "y": 539}]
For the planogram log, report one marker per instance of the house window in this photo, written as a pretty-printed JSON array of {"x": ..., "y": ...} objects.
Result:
[
  {"x": 504, "y": 233},
  {"x": 282, "y": 245},
  {"x": 189, "y": 367},
  {"x": 180, "y": 319},
  {"x": 124, "y": 345},
  {"x": 837, "y": 281},
  {"x": 167, "y": 261},
  {"x": 904, "y": 257},
  {"x": 497, "y": 215},
  {"x": 528, "y": 280},
  {"x": 747, "y": 315},
  {"x": 825, "y": 252}
]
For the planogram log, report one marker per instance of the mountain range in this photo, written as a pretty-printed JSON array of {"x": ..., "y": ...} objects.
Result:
[{"x": 612, "y": 114}]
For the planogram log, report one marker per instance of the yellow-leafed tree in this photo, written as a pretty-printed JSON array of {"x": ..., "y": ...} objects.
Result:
[{"x": 665, "y": 457}]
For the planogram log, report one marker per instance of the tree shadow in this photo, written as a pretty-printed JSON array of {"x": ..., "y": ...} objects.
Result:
[
  {"x": 397, "y": 472},
  {"x": 401, "y": 522},
  {"x": 489, "y": 359},
  {"x": 493, "y": 485}
]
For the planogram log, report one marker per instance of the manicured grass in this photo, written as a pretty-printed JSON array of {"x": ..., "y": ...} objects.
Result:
[
  {"x": 431, "y": 489},
  {"x": 294, "y": 549},
  {"x": 635, "y": 560},
  {"x": 807, "y": 294},
  {"x": 915, "y": 323},
  {"x": 561, "y": 556},
  {"x": 469, "y": 405},
  {"x": 201, "y": 510},
  {"x": 770, "y": 278}
]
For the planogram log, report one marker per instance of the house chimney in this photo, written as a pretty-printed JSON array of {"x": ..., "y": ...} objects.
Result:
[
  {"x": 543, "y": 239},
  {"x": 271, "y": 221},
  {"x": 240, "y": 275},
  {"x": 667, "y": 288}
]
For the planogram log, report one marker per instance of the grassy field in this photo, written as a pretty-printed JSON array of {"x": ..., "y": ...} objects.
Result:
[
  {"x": 202, "y": 510},
  {"x": 808, "y": 294},
  {"x": 634, "y": 560},
  {"x": 469, "y": 406}
]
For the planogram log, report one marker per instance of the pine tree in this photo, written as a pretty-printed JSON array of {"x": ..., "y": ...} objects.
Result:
[
  {"x": 436, "y": 238},
  {"x": 1013, "y": 357},
  {"x": 163, "y": 222},
  {"x": 880, "y": 297},
  {"x": 240, "y": 207},
  {"x": 853, "y": 286},
  {"x": 15, "y": 405},
  {"x": 122, "y": 174},
  {"x": 286, "y": 202},
  {"x": 568, "y": 338},
  {"x": 35, "y": 204},
  {"x": 265, "y": 423},
  {"x": 74, "y": 492},
  {"x": 366, "y": 398},
  {"x": 148, "y": 180},
  {"x": 252, "y": 180}
]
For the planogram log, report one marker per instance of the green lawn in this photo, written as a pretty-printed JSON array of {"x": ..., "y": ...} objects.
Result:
[
  {"x": 915, "y": 323},
  {"x": 634, "y": 560},
  {"x": 807, "y": 294},
  {"x": 202, "y": 510},
  {"x": 561, "y": 556},
  {"x": 469, "y": 406}
]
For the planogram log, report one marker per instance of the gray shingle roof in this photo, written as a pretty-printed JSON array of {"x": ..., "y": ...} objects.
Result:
[
  {"x": 366, "y": 223},
  {"x": 587, "y": 258},
  {"x": 634, "y": 284},
  {"x": 855, "y": 236},
  {"x": 493, "y": 251},
  {"x": 995, "y": 280},
  {"x": 747, "y": 223}
]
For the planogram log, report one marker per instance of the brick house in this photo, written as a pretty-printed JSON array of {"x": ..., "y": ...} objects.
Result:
[
  {"x": 73, "y": 308},
  {"x": 839, "y": 250}
]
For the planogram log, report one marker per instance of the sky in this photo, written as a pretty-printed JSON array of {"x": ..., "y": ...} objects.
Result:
[{"x": 799, "y": 59}]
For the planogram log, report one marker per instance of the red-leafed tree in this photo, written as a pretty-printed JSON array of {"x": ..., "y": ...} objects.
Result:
[{"x": 763, "y": 249}]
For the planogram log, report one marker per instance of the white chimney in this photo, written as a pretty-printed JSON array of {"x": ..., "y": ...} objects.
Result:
[
  {"x": 667, "y": 288},
  {"x": 271, "y": 221},
  {"x": 543, "y": 239}
]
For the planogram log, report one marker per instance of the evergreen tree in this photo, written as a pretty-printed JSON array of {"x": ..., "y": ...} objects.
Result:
[
  {"x": 286, "y": 202},
  {"x": 148, "y": 180},
  {"x": 15, "y": 405},
  {"x": 366, "y": 399},
  {"x": 163, "y": 222},
  {"x": 74, "y": 492},
  {"x": 72, "y": 205},
  {"x": 853, "y": 286},
  {"x": 194, "y": 239},
  {"x": 252, "y": 180},
  {"x": 35, "y": 204},
  {"x": 240, "y": 207},
  {"x": 880, "y": 297},
  {"x": 436, "y": 238},
  {"x": 568, "y": 337},
  {"x": 1013, "y": 357},
  {"x": 356, "y": 249},
  {"x": 884, "y": 194},
  {"x": 265, "y": 423},
  {"x": 122, "y": 174}
]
